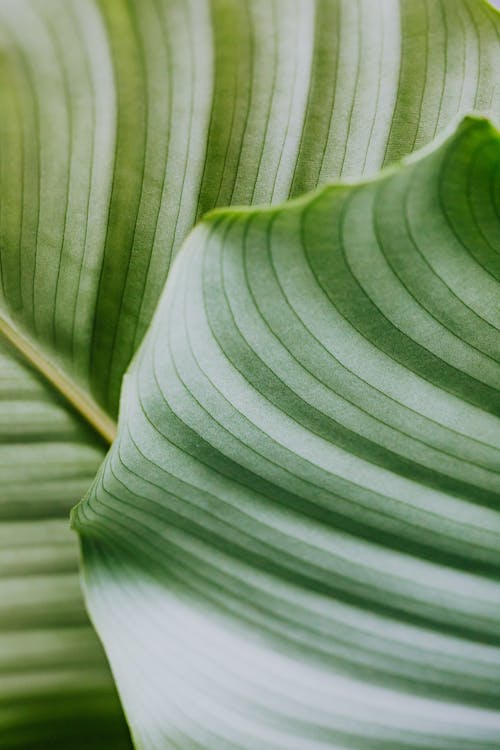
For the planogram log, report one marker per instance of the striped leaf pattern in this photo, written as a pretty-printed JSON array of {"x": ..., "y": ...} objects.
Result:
[
  {"x": 294, "y": 540},
  {"x": 123, "y": 121},
  {"x": 56, "y": 690}
]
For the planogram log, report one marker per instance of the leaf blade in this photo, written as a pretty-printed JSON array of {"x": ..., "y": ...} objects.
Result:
[
  {"x": 124, "y": 124},
  {"x": 55, "y": 685},
  {"x": 303, "y": 494}
]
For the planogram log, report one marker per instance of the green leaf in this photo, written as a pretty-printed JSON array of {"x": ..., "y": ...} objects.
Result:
[
  {"x": 125, "y": 120},
  {"x": 294, "y": 540},
  {"x": 56, "y": 690}
]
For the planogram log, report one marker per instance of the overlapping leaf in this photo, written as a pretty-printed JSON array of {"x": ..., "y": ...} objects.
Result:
[{"x": 294, "y": 540}]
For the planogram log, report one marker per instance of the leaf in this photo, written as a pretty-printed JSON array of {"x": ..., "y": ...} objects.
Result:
[
  {"x": 124, "y": 121},
  {"x": 294, "y": 540},
  {"x": 56, "y": 690}
]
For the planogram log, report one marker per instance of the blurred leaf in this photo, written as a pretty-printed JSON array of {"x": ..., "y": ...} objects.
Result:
[{"x": 56, "y": 690}]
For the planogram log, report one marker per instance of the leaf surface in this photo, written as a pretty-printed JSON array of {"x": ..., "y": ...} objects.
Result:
[
  {"x": 56, "y": 690},
  {"x": 294, "y": 540},
  {"x": 123, "y": 121}
]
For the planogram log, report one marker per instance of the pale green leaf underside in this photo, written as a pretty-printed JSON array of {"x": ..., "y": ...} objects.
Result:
[
  {"x": 294, "y": 540},
  {"x": 125, "y": 120},
  {"x": 56, "y": 690}
]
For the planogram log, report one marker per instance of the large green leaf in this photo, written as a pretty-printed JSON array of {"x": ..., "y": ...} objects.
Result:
[
  {"x": 294, "y": 540},
  {"x": 124, "y": 120},
  {"x": 56, "y": 690}
]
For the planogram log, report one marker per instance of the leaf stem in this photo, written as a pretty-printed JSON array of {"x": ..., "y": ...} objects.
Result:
[{"x": 84, "y": 404}]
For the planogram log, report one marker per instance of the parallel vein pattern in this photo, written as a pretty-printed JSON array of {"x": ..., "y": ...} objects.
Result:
[
  {"x": 307, "y": 466},
  {"x": 55, "y": 687},
  {"x": 123, "y": 121}
]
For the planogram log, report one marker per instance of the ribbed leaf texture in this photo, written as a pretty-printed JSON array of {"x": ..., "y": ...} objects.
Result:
[
  {"x": 294, "y": 540},
  {"x": 122, "y": 123},
  {"x": 56, "y": 690}
]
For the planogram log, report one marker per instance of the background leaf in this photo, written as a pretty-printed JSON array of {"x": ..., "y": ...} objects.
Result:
[
  {"x": 56, "y": 690},
  {"x": 124, "y": 121},
  {"x": 294, "y": 540}
]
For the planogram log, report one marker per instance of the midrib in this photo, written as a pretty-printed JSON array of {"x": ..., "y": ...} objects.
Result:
[{"x": 79, "y": 400}]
